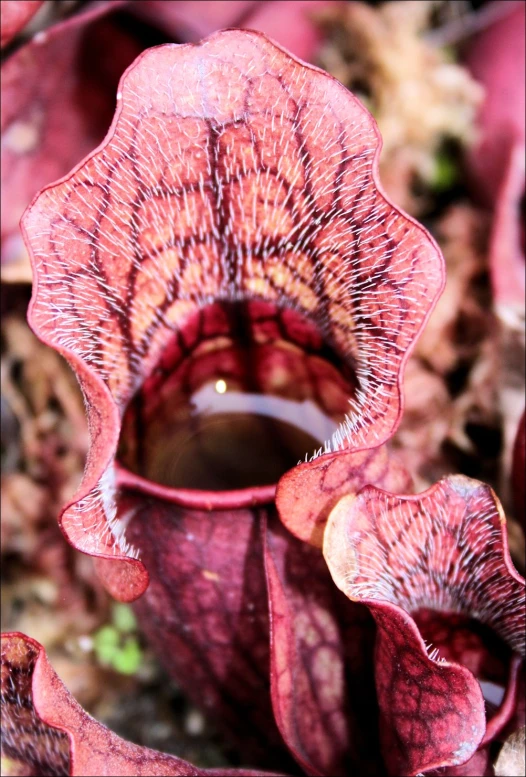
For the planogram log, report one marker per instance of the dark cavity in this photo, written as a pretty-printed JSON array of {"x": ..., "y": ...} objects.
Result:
[{"x": 243, "y": 393}]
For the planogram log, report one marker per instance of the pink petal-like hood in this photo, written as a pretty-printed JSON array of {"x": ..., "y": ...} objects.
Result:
[{"x": 153, "y": 225}]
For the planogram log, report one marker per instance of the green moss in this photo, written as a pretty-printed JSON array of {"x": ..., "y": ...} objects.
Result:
[
  {"x": 106, "y": 644},
  {"x": 123, "y": 618},
  {"x": 115, "y": 646},
  {"x": 128, "y": 658}
]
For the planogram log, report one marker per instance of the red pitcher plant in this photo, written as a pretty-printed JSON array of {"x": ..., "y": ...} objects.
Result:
[{"x": 237, "y": 295}]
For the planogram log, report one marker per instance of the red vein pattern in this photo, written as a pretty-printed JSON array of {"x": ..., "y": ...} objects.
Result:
[
  {"x": 322, "y": 669},
  {"x": 53, "y": 735},
  {"x": 331, "y": 477},
  {"x": 205, "y": 613},
  {"x": 231, "y": 171},
  {"x": 444, "y": 550}
]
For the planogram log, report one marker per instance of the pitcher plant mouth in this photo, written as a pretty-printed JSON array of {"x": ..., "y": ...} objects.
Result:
[
  {"x": 239, "y": 395},
  {"x": 232, "y": 172}
]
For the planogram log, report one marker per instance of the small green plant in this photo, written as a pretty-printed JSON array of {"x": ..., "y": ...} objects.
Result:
[{"x": 116, "y": 644}]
